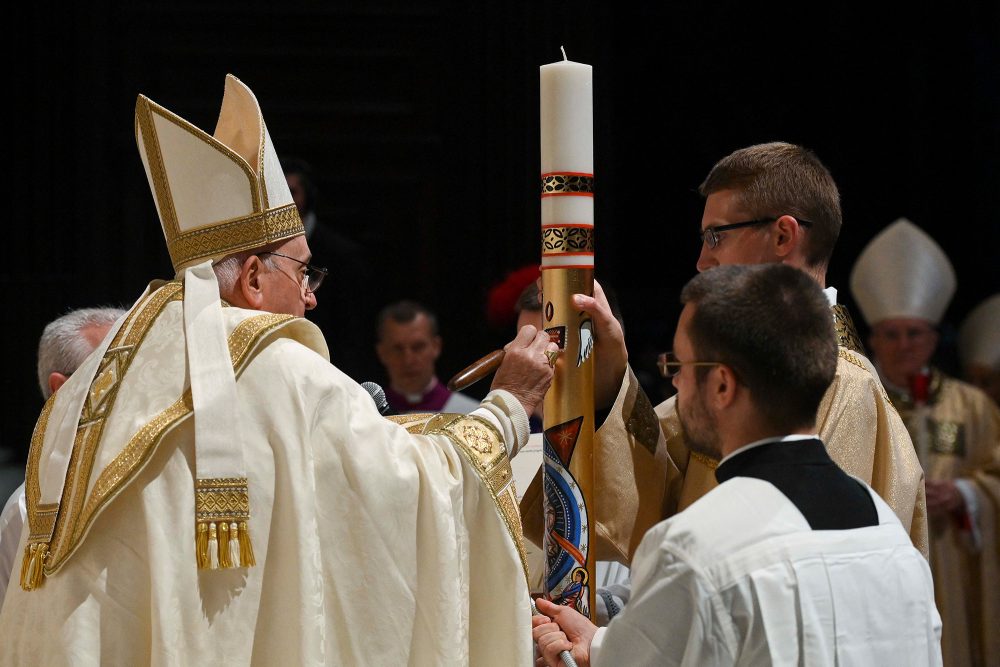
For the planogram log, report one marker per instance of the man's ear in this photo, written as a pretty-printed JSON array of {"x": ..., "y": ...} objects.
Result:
[
  {"x": 56, "y": 380},
  {"x": 249, "y": 284},
  {"x": 788, "y": 238},
  {"x": 436, "y": 342},
  {"x": 722, "y": 386}
]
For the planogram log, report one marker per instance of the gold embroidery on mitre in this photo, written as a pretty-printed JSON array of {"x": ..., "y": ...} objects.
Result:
[
  {"x": 144, "y": 109},
  {"x": 225, "y": 238},
  {"x": 218, "y": 239}
]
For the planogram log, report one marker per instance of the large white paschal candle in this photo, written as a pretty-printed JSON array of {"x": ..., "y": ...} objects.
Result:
[
  {"x": 567, "y": 191},
  {"x": 567, "y": 152}
]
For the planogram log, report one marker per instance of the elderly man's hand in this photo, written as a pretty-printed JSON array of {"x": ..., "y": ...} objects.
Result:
[
  {"x": 526, "y": 371},
  {"x": 610, "y": 355},
  {"x": 563, "y": 629}
]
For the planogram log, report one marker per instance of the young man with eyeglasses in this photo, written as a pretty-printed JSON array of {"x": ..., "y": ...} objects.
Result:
[
  {"x": 768, "y": 203},
  {"x": 788, "y": 560}
]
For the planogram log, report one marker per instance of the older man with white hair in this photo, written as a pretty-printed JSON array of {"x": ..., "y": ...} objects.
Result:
[{"x": 66, "y": 341}]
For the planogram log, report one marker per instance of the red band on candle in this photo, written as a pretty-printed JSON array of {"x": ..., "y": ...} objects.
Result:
[{"x": 567, "y": 266}]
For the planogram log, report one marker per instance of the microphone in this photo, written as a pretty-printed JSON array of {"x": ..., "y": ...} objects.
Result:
[{"x": 378, "y": 395}]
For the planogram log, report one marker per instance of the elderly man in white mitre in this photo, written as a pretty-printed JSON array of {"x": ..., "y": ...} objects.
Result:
[
  {"x": 208, "y": 489},
  {"x": 903, "y": 283}
]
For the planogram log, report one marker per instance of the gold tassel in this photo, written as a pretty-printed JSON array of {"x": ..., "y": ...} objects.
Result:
[
  {"x": 234, "y": 546},
  {"x": 29, "y": 553},
  {"x": 213, "y": 547},
  {"x": 201, "y": 546},
  {"x": 224, "y": 562},
  {"x": 32, "y": 572},
  {"x": 246, "y": 548}
]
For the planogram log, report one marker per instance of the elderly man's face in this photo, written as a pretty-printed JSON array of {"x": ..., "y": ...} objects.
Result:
[
  {"x": 283, "y": 281},
  {"x": 746, "y": 245},
  {"x": 408, "y": 350},
  {"x": 903, "y": 347}
]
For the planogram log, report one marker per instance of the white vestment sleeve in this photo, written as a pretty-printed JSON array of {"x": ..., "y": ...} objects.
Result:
[{"x": 672, "y": 617}]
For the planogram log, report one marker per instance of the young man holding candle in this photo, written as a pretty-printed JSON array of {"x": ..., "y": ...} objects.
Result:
[
  {"x": 789, "y": 560},
  {"x": 768, "y": 203}
]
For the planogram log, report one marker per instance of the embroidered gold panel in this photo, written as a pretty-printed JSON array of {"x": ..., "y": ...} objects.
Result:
[
  {"x": 74, "y": 521},
  {"x": 847, "y": 335}
]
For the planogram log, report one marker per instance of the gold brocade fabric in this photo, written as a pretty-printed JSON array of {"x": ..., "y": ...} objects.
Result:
[
  {"x": 847, "y": 335},
  {"x": 963, "y": 428}
]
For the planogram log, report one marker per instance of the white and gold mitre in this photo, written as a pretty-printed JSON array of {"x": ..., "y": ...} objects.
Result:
[
  {"x": 216, "y": 195},
  {"x": 902, "y": 273},
  {"x": 979, "y": 335}
]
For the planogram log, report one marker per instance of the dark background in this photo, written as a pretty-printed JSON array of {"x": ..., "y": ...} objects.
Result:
[{"x": 420, "y": 120}]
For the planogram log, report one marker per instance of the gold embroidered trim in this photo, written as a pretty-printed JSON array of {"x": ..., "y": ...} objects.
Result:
[
  {"x": 222, "y": 510},
  {"x": 847, "y": 335},
  {"x": 97, "y": 405},
  {"x": 490, "y": 463},
  {"x": 706, "y": 461},
  {"x": 483, "y": 447},
  {"x": 642, "y": 422},
  {"x": 222, "y": 498},
  {"x": 41, "y": 519},
  {"x": 242, "y": 342},
  {"x": 226, "y": 237},
  {"x": 567, "y": 184},
  {"x": 564, "y": 240}
]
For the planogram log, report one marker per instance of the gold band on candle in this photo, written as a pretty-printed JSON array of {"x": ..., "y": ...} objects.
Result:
[
  {"x": 569, "y": 183},
  {"x": 567, "y": 239}
]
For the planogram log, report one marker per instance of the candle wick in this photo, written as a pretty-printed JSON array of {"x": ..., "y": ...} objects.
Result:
[{"x": 563, "y": 49}]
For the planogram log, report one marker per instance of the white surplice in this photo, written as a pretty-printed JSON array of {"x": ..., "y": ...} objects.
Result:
[{"x": 739, "y": 578}]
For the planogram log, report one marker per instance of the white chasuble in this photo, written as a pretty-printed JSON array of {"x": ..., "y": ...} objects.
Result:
[{"x": 373, "y": 545}]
